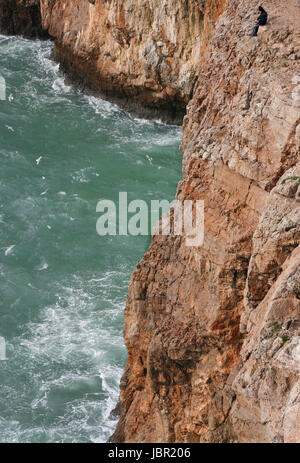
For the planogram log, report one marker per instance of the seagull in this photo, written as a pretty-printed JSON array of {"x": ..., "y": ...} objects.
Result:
[
  {"x": 149, "y": 159},
  {"x": 38, "y": 160},
  {"x": 9, "y": 249}
]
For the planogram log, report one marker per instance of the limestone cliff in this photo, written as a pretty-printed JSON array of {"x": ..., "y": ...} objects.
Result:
[
  {"x": 146, "y": 53},
  {"x": 212, "y": 332}
]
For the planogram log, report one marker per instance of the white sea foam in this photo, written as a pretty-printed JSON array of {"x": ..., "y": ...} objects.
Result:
[
  {"x": 73, "y": 333},
  {"x": 102, "y": 107},
  {"x": 83, "y": 175},
  {"x": 60, "y": 87}
]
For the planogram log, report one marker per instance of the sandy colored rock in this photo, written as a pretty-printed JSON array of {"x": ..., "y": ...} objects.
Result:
[
  {"x": 145, "y": 53},
  {"x": 212, "y": 332},
  {"x": 213, "y": 344}
]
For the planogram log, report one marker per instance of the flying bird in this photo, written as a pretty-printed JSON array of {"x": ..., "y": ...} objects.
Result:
[{"x": 149, "y": 159}]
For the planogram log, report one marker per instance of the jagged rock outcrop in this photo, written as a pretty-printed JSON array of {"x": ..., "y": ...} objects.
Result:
[
  {"x": 21, "y": 17},
  {"x": 213, "y": 333}
]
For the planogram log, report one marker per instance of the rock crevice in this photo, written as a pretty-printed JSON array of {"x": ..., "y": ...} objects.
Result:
[{"x": 22, "y": 17}]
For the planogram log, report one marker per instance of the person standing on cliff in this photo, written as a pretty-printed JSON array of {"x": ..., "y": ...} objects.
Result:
[{"x": 261, "y": 20}]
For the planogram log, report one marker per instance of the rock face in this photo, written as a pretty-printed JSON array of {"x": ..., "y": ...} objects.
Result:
[
  {"x": 21, "y": 17},
  {"x": 146, "y": 53},
  {"x": 213, "y": 332}
]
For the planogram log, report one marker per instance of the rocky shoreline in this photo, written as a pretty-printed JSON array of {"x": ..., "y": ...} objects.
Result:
[
  {"x": 144, "y": 55},
  {"x": 83, "y": 75},
  {"x": 213, "y": 333}
]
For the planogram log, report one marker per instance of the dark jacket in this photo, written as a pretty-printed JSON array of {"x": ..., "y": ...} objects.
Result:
[{"x": 262, "y": 18}]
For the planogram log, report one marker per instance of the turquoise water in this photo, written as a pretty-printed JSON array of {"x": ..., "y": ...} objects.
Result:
[{"x": 62, "y": 286}]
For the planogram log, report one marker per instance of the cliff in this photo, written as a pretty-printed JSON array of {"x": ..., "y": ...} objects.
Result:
[
  {"x": 144, "y": 54},
  {"x": 212, "y": 332}
]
